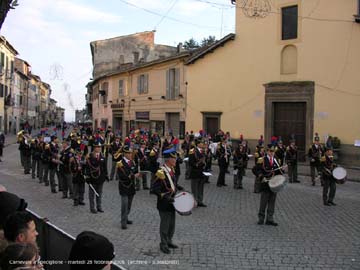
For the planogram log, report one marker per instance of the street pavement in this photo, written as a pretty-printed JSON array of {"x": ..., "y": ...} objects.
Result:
[{"x": 222, "y": 236}]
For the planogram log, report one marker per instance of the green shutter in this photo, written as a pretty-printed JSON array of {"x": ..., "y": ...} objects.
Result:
[
  {"x": 138, "y": 84},
  {"x": 146, "y": 83},
  {"x": 177, "y": 83},
  {"x": 168, "y": 84}
]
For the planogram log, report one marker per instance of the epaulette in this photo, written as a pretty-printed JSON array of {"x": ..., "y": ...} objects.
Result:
[
  {"x": 119, "y": 164},
  {"x": 160, "y": 174},
  {"x": 193, "y": 143},
  {"x": 152, "y": 153},
  {"x": 260, "y": 160},
  {"x": 90, "y": 138},
  {"x": 323, "y": 159},
  {"x": 257, "y": 155},
  {"x": 191, "y": 151},
  {"x": 287, "y": 148}
]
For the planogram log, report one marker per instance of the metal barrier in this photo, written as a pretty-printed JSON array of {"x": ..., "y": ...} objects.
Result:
[{"x": 55, "y": 245}]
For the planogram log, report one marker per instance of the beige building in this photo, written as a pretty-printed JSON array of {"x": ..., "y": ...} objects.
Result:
[
  {"x": 7, "y": 57},
  {"x": 295, "y": 71},
  {"x": 20, "y": 93},
  {"x": 147, "y": 95}
]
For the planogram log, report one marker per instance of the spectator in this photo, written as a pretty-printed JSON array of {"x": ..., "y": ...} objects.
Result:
[
  {"x": 21, "y": 256},
  {"x": 90, "y": 247},
  {"x": 20, "y": 228},
  {"x": 9, "y": 203}
]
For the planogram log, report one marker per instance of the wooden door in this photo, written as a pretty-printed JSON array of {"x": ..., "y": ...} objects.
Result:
[
  {"x": 212, "y": 125},
  {"x": 290, "y": 118}
]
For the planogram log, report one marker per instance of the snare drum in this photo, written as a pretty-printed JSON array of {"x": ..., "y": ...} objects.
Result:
[
  {"x": 277, "y": 183},
  {"x": 339, "y": 173},
  {"x": 184, "y": 203}
]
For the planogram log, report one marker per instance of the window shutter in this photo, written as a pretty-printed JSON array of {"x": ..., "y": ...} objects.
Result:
[
  {"x": 146, "y": 83},
  {"x": 177, "y": 83},
  {"x": 138, "y": 84},
  {"x": 168, "y": 84}
]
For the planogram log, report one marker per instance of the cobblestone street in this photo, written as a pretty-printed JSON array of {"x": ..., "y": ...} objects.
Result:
[{"x": 222, "y": 236}]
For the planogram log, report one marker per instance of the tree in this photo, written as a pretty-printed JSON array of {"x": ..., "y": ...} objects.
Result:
[
  {"x": 191, "y": 44},
  {"x": 208, "y": 41},
  {"x": 5, "y": 6}
]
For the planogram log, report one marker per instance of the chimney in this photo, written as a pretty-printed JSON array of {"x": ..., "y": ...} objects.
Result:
[{"x": 180, "y": 47}]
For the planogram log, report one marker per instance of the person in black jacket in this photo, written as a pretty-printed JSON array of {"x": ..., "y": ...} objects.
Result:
[
  {"x": 197, "y": 167},
  {"x": 66, "y": 155},
  {"x": 96, "y": 174},
  {"x": 77, "y": 164},
  {"x": 267, "y": 201},
  {"x": 165, "y": 187},
  {"x": 26, "y": 152},
  {"x": 127, "y": 171},
  {"x": 240, "y": 158}
]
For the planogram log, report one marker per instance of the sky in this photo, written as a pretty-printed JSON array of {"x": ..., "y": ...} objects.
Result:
[{"x": 54, "y": 36}]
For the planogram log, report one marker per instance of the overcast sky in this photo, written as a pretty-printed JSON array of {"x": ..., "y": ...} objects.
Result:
[{"x": 54, "y": 35}]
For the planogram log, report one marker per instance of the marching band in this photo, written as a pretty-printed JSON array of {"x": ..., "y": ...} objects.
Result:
[{"x": 136, "y": 162}]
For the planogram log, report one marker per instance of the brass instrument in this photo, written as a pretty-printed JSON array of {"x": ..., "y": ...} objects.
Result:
[
  {"x": 107, "y": 143},
  {"x": 118, "y": 153}
]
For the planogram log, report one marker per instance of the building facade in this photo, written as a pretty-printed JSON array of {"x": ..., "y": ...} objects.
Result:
[
  {"x": 7, "y": 58},
  {"x": 147, "y": 96},
  {"x": 295, "y": 71}
]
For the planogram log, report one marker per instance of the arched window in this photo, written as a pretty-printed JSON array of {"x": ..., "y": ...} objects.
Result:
[{"x": 289, "y": 60}]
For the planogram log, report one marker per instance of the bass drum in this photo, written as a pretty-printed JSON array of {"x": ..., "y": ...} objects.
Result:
[
  {"x": 277, "y": 183},
  {"x": 339, "y": 174},
  {"x": 184, "y": 203}
]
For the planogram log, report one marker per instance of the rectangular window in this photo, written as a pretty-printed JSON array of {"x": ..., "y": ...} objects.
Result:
[
  {"x": 172, "y": 83},
  {"x": 289, "y": 22},
  {"x": 143, "y": 83},
  {"x": 121, "y": 88},
  {"x": 6, "y": 91},
  {"x": 104, "y": 92},
  {"x": 1, "y": 90},
  {"x": 2, "y": 59},
  {"x": 21, "y": 100}
]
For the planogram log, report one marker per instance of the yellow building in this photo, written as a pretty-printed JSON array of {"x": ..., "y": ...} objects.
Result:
[
  {"x": 7, "y": 57},
  {"x": 294, "y": 71},
  {"x": 145, "y": 95}
]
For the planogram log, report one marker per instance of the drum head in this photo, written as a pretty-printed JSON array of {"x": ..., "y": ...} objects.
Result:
[
  {"x": 339, "y": 173},
  {"x": 184, "y": 202},
  {"x": 277, "y": 180}
]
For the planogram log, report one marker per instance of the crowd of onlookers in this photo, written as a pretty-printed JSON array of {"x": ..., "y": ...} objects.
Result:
[{"x": 18, "y": 241}]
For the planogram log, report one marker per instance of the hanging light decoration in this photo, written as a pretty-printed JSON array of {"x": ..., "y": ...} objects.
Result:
[{"x": 255, "y": 8}]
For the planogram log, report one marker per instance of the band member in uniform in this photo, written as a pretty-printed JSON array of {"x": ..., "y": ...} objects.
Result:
[
  {"x": 26, "y": 152},
  {"x": 77, "y": 164},
  {"x": 257, "y": 170},
  {"x": 267, "y": 201},
  {"x": 197, "y": 166},
  {"x": 65, "y": 169},
  {"x": 152, "y": 159},
  {"x": 165, "y": 187},
  {"x": 142, "y": 161},
  {"x": 127, "y": 171},
  {"x": 53, "y": 165},
  {"x": 223, "y": 159},
  {"x": 315, "y": 153},
  {"x": 327, "y": 166},
  {"x": 115, "y": 151},
  {"x": 96, "y": 174},
  {"x": 246, "y": 150},
  {"x": 185, "y": 146},
  {"x": 280, "y": 151},
  {"x": 240, "y": 157},
  {"x": 45, "y": 163},
  {"x": 291, "y": 161},
  {"x": 20, "y": 138},
  {"x": 35, "y": 158}
]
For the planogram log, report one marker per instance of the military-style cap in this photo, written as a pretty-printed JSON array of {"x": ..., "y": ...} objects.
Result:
[
  {"x": 170, "y": 153},
  {"x": 126, "y": 149}
]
